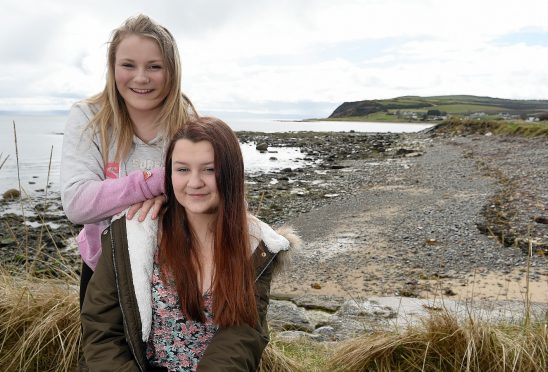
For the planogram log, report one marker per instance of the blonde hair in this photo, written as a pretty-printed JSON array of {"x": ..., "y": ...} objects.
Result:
[{"x": 112, "y": 118}]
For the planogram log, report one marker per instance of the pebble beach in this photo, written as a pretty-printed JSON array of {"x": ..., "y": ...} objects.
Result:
[
  {"x": 454, "y": 221},
  {"x": 414, "y": 215}
]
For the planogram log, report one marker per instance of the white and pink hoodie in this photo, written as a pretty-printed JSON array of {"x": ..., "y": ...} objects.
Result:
[{"x": 91, "y": 191}]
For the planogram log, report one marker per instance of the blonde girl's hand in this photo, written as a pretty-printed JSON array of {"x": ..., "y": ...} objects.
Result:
[{"x": 152, "y": 206}]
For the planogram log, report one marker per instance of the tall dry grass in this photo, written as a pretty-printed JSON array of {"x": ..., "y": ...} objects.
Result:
[
  {"x": 39, "y": 323},
  {"x": 39, "y": 317},
  {"x": 3, "y": 161},
  {"x": 40, "y": 327},
  {"x": 442, "y": 343}
]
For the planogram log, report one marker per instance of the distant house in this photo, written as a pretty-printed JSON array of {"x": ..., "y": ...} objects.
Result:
[
  {"x": 477, "y": 115},
  {"x": 508, "y": 116},
  {"x": 409, "y": 115},
  {"x": 436, "y": 117}
]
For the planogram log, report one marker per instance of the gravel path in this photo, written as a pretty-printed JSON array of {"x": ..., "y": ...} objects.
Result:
[{"x": 411, "y": 227}]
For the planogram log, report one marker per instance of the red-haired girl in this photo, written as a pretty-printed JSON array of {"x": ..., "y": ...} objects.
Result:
[{"x": 192, "y": 292}]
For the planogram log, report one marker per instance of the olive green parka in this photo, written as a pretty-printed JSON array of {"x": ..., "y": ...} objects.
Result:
[{"x": 116, "y": 318}]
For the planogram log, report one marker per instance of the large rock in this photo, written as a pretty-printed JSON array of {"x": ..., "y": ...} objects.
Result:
[
  {"x": 326, "y": 333},
  {"x": 286, "y": 316},
  {"x": 356, "y": 317},
  {"x": 262, "y": 146},
  {"x": 341, "y": 328},
  {"x": 320, "y": 302},
  {"x": 292, "y": 336},
  {"x": 317, "y": 318},
  {"x": 365, "y": 308}
]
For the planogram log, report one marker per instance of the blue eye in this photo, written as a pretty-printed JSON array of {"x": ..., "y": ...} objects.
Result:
[
  {"x": 155, "y": 67},
  {"x": 210, "y": 170},
  {"x": 127, "y": 65}
]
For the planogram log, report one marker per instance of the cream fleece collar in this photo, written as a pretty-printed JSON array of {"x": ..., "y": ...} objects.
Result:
[{"x": 142, "y": 243}]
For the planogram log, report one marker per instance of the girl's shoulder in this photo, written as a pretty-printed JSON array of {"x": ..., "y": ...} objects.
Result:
[
  {"x": 276, "y": 241},
  {"x": 86, "y": 107},
  {"x": 78, "y": 122},
  {"x": 271, "y": 247}
]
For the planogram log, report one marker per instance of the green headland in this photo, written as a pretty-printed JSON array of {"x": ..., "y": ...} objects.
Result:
[{"x": 440, "y": 108}]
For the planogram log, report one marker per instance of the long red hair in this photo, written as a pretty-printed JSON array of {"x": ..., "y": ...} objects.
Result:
[{"x": 233, "y": 287}]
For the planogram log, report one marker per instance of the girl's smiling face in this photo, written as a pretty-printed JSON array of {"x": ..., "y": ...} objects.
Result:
[
  {"x": 140, "y": 74},
  {"x": 193, "y": 177}
]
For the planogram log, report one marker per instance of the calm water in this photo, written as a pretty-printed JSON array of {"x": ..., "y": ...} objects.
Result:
[{"x": 38, "y": 137}]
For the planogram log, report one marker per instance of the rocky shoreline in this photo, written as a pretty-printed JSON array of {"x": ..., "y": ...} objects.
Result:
[
  {"x": 415, "y": 215},
  {"x": 278, "y": 197},
  {"x": 42, "y": 234}
]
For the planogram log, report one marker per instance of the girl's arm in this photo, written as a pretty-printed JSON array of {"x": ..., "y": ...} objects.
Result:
[
  {"x": 86, "y": 194},
  {"x": 234, "y": 349}
]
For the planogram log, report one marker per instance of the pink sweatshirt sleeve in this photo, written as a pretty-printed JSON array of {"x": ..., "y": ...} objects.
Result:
[
  {"x": 95, "y": 200},
  {"x": 87, "y": 195}
]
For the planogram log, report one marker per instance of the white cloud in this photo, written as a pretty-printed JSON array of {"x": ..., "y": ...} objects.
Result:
[{"x": 281, "y": 55}]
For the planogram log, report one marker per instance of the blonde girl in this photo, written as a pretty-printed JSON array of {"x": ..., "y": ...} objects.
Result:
[{"x": 113, "y": 143}]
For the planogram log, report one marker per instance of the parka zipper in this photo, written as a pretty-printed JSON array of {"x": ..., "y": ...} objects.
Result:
[
  {"x": 130, "y": 344},
  {"x": 265, "y": 267}
]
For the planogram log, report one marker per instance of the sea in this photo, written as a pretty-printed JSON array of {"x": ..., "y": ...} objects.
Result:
[{"x": 34, "y": 163}]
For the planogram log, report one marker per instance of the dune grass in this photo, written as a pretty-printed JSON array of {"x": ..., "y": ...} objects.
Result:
[
  {"x": 3, "y": 159},
  {"x": 40, "y": 327},
  {"x": 39, "y": 323},
  {"x": 442, "y": 343},
  {"x": 40, "y": 331},
  {"x": 275, "y": 359}
]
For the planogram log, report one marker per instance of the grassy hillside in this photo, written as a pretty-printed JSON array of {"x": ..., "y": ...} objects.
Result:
[{"x": 414, "y": 108}]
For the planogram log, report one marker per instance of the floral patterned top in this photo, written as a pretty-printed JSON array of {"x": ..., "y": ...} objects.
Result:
[{"x": 176, "y": 342}]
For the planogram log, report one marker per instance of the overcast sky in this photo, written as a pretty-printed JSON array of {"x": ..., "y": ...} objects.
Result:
[{"x": 292, "y": 57}]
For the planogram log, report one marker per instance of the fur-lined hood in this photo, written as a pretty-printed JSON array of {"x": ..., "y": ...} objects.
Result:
[{"x": 142, "y": 245}]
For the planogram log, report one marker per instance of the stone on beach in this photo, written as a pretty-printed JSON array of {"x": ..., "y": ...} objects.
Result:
[
  {"x": 262, "y": 147},
  {"x": 11, "y": 194}
]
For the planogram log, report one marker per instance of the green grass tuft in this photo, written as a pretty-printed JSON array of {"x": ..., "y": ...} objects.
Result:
[
  {"x": 308, "y": 355},
  {"x": 501, "y": 127}
]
